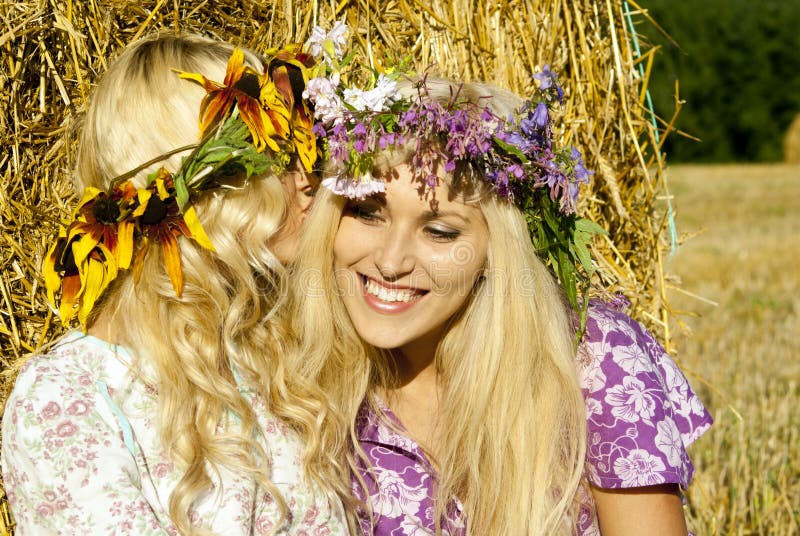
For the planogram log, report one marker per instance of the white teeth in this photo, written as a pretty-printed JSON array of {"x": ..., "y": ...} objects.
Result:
[{"x": 390, "y": 295}]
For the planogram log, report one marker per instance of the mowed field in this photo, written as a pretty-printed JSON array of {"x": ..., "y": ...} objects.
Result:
[{"x": 741, "y": 352}]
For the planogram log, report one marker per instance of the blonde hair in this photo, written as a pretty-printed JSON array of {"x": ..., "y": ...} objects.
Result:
[
  {"x": 511, "y": 415},
  {"x": 222, "y": 332}
]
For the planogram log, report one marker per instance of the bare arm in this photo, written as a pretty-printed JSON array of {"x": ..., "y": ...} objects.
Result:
[{"x": 644, "y": 511}]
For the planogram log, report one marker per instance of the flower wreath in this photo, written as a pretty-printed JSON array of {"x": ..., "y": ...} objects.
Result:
[
  {"x": 517, "y": 156},
  {"x": 113, "y": 230}
]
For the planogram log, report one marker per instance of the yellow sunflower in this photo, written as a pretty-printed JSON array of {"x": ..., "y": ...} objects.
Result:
[
  {"x": 161, "y": 222},
  {"x": 288, "y": 69},
  {"x": 242, "y": 87},
  {"x": 91, "y": 250}
]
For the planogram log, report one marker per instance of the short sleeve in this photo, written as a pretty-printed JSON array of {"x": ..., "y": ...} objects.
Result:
[
  {"x": 65, "y": 466},
  {"x": 641, "y": 412}
]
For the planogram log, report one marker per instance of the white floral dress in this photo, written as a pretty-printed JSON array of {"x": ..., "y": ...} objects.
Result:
[{"x": 81, "y": 455}]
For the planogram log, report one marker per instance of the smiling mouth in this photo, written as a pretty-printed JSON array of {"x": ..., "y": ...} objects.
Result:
[{"x": 391, "y": 294}]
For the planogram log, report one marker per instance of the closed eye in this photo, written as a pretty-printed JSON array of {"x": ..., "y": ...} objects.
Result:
[
  {"x": 364, "y": 212},
  {"x": 442, "y": 235},
  {"x": 310, "y": 191}
]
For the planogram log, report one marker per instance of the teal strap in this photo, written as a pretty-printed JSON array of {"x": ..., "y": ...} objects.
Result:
[
  {"x": 127, "y": 431},
  {"x": 237, "y": 377},
  {"x": 673, "y": 231}
]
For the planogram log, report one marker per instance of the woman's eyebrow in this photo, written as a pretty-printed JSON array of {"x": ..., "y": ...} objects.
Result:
[
  {"x": 429, "y": 215},
  {"x": 378, "y": 198}
]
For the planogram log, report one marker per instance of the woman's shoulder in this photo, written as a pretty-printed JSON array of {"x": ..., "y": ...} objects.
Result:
[
  {"x": 641, "y": 410},
  {"x": 55, "y": 379},
  {"x": 74, "y": 359},
  {"x": 608, "y": 321},
  {"x": 615, "y": 342},
  {"x": 65, "y": 456}
]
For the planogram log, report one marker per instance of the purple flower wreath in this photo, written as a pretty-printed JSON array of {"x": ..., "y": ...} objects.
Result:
[{"x": 517, "y": 155}]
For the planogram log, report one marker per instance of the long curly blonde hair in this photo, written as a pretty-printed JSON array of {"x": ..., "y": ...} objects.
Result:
[
  {"x": 511, "y": 414},
  {"x": 223, "y": 330}
]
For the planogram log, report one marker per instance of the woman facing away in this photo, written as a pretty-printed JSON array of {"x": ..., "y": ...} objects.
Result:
[
  {"x": 447, "y": 343},
  {"x": 173, "y": 410}
]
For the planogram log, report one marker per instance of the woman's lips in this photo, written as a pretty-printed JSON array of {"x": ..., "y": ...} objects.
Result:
[{"x": 389, "y": 299}]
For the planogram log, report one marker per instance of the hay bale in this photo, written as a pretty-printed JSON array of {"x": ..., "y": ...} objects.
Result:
[
  {"x": 791, "y": 142},
  {"x": 53, "y": 51}
]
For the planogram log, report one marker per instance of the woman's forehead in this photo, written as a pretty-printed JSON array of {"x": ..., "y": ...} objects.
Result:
[
  {"x": 446, "y": 191},
  {"x": 407, "y": 194}
]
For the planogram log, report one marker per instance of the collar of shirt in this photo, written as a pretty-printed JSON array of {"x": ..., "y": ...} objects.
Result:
[{"x": 376, "y": 424}]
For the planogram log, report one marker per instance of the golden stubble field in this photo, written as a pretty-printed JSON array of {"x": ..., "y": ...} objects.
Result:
[{"x": 741, "y": 351}]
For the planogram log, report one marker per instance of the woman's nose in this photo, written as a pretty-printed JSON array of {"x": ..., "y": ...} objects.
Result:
[{"x": 394, "y": 257}]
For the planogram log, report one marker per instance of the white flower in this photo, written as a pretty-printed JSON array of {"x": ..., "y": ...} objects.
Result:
[
  {"x": 328, "y": 106},
  {"x": 376, "y": 99},
  {"x": 668, "y": 441},
  {"x": 338, "y": 35},
  {"x": 590, "y": 366},
  {"x": 330, "y": 44},
  {"x": 352, "y": 188},
  {"x": 411, "y": 526},
  {"x": 593, "y": 407},
  {"x": 631, "y": 401},
  {"x": 632, "y": 359},
  {"x": 315, "y": 41},
  {"x": 397, "y": 498},
  {"x": 639, "y": 468}
]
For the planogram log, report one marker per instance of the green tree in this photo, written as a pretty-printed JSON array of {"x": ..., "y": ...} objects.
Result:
[{"x": 738, "y": 64}]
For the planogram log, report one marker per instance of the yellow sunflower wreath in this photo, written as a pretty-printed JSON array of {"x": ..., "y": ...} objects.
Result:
[{"x": 111, "y": 231}]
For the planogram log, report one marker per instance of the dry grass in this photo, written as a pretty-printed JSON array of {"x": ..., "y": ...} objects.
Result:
[
  {"x": 746, "y": 347},
  {"x": 52, "y": 52}
]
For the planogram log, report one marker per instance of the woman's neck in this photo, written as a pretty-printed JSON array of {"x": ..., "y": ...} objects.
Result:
[
  {"x": 415, "y": 360},
  {"x": 415, "y": 401},
  {"x": 102, "y": 328}
]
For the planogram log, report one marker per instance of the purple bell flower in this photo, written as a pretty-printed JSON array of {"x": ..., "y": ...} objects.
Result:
[{"x": 541, "y": 116}]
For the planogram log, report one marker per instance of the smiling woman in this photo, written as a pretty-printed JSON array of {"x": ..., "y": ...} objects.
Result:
[
  {"x": 431, "y": 317},
  {"x": 405, "y": 263},
  {"x": 456, "y": 380}
]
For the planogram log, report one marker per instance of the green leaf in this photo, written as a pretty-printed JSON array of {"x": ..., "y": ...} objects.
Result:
[
  {"x": 582, "y": 252},
  {"x": 540, "y": 241},
  {"x": 181, "y": 193},
  {"x": 553, "y": 261},
  {"x": 588, "y": 226},
  {"x": 510, "y": 149},
  {"x": 568, "y": 277},
  {"x": 347, "y": 59},
  {"x": 582, "y": 315},
  {"x": 552, "y": 222},
  {"x": 226, "y": 153}
]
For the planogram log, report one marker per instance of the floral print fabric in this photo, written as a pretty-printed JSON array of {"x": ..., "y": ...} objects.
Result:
[
  {"x": 81, "y": 454},
  {"x": 641, "y": 411},
  {"x": 400, "y": 482},
  {"x": 641, "y": 416}
]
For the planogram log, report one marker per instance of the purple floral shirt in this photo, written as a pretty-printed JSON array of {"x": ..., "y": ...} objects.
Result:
[{"x": 641, "y": 415}]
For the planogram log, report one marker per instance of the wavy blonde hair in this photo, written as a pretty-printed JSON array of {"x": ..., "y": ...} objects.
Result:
[
  {"x": 511, "y": 417},
  {"x": 223, "y": 330}
]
